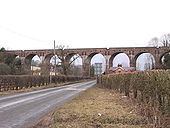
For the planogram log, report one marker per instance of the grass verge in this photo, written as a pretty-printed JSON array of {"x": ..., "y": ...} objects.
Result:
[{"x": 96, "y": 108}]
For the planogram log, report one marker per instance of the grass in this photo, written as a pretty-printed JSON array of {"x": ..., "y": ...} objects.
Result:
[{"x": 96, "y": 108}]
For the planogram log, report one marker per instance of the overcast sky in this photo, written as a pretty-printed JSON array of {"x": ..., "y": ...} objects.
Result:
[{"x": 34, "y": 24}]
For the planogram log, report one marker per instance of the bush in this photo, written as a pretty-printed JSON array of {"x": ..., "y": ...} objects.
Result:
[
  {"x": 15, "y": 82},
  {"x": 4, "y": 69},
  {"x": 150, "y": 87}
]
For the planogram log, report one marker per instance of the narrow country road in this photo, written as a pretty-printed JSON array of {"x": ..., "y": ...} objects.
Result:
[{"x": 24, "y": 109}]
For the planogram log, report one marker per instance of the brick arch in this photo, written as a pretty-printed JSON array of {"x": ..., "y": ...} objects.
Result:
[
  {"x": 27, "y": 61},
  {"x": 86, "y": 64},
  {"x": 15, "y": 55},
  {"x": 140, "y": 53},
  {"x": 69, "y": 56},
  {"x": 91, "y": 55},
  {"x": 137, "y": 55},
  {"x": 114, "y": 55},
  {"x": 30, "y": 52},
  {"x": 161, "y": 55},
  {"x": 131, "y": 52},
  {"x": 48, "y": 57},
  {"x": 29, "y": 57}
]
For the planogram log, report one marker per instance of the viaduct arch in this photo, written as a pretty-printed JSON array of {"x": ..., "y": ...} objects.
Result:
[{"x": 87, "y": 54}]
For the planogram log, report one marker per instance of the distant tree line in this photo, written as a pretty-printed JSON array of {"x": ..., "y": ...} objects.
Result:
[
  {"x": 9, "y": 64},
  {"x": 163, "y": 41}
]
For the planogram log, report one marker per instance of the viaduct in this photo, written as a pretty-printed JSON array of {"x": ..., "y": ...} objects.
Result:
[{"x": 87, "y": 53}]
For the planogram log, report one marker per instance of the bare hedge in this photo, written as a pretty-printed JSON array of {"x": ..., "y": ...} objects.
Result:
[
  {"x": 16, "y": 82},
  {"x": 149, "y": 87}
]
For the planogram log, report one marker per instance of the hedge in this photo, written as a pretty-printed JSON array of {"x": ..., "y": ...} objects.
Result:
[
  {"x": 16, "y": 82},
  {"x": 149, "y": 87}
]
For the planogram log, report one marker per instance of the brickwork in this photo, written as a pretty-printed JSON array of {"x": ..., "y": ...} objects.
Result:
[{"x": 88, "y": 53}]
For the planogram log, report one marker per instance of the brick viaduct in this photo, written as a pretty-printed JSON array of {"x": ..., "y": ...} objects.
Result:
[{"x": 87, "y": 53}]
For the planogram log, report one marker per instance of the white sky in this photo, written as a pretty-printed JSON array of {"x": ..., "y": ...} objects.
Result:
[{"x": 34, "y": 24}]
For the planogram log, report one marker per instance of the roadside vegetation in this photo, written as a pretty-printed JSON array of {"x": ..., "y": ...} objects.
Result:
[
  {"x": 9, "y": 64},
  {"x": 34, "y": 88},
  {"x": 129, "y": 100},
  {"x": 14, "y": 79},
  {"x": 96, "y": 108},
  {"x": 150, "y": 88}
]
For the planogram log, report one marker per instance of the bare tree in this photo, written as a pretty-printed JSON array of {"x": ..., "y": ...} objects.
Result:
[
  {"x": 149, "y": 62},
  {"x": 65, "y": 64},
  {"x": 165, "y": 40},
  {"x": 154, "y": 42},
  {"x": 75, "y": 70}
]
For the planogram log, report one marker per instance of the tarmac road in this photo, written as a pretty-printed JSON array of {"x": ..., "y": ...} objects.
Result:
[{"x": 24, "y": 109}]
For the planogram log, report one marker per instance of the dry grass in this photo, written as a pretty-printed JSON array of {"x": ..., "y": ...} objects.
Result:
[{"x": 97, "y": 108}]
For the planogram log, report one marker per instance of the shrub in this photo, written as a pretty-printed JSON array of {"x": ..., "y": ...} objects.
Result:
[
  {"x": 4, "y": 69},
  {"x": 150, "y": 87},
  {"x": 15, "y": 82}
]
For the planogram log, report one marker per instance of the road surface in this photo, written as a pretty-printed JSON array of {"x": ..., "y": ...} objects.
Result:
[{"x": 24, "y": 109}]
